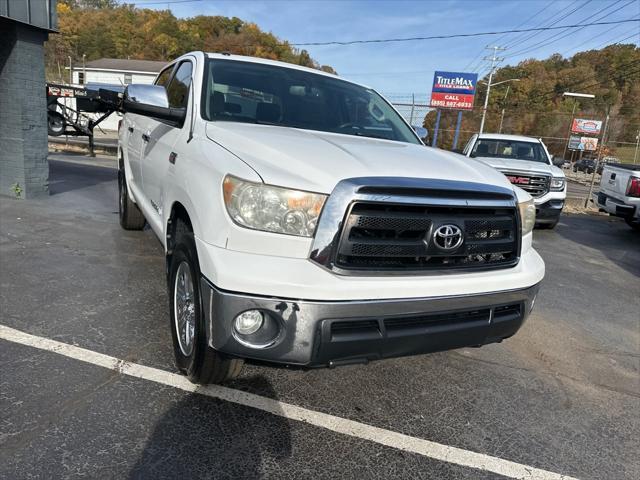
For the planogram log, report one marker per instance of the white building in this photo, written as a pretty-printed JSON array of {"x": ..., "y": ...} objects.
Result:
[{"x": 116, "y": 71}]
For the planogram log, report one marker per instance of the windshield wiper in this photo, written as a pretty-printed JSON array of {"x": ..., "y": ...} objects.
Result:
[{"x": 370, "y": 135}]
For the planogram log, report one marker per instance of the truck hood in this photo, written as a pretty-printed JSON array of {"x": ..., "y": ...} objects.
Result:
[
  {"x": 317, "y": 161},
  {"x": 521, "y": 166}
]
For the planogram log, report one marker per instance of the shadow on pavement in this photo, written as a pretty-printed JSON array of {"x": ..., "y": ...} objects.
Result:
[
  {"x": 201, "y": 437},
  {"x": 66, "y": 176},
  {"x": 609, "y": 235}
]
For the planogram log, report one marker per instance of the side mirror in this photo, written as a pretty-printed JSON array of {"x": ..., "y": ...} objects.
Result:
[{"x": 151, "y": 101}]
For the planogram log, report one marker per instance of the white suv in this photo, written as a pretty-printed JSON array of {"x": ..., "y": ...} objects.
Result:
[
  {"x": 526, "y": 162},
  {"x": 305, "y": 223}
]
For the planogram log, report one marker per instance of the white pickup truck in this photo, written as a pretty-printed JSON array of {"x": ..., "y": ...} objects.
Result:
[
  {"x": 305, "y": 223},
  {"x": 619, "y": 193},
  {"x": 526, "y": 162}
]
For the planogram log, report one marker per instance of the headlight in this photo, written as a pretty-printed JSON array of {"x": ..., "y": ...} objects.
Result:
[
  {"x": 272, "y": 209},
  {"x": 557, "y": 183},
  {"x": 527, "y": 216}
]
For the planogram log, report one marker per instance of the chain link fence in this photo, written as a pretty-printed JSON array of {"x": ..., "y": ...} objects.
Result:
[{"x": 415, "y": 107}]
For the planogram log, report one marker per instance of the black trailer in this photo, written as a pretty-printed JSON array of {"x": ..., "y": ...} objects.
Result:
[{"x": 101, "y": 99}]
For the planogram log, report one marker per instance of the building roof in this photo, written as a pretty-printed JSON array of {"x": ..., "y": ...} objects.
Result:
[
  {"x": 124, "y": 65},
  {"x": 35, "y": 13}
]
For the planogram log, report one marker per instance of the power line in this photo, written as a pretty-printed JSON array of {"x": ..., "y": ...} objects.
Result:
[
  {"x": 539, "y": 43},
  {"x": 526, "y": 36},
  {"x": 634, "y": 34},
  {"x": 609, "y": 77},
  {"x": 561, "y": 35},
  {"x": 626, "y": 38},
  {"x": 474, "y": 60},
  {"x": 457, "y": 35},
  {"x": 610, "y": 29}
]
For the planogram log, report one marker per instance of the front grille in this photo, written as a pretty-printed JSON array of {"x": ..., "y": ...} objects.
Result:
[
  {"x": 534, "y": 185},
  {"x": 399, "y": 237},
  {"x": 437, "y": 320},
  {"x": 378, "y": 328}
]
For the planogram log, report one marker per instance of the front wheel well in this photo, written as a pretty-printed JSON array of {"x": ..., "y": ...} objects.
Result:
[{"x": 178, "y": 214}]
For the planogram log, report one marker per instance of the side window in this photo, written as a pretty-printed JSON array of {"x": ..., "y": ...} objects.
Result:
[
  {"x": 178, "y": 89},
  {"x": 163, "y": 78}
]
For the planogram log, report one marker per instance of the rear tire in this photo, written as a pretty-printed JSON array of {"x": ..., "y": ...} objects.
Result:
[
  {"x": 194, "y": 358},
  {"x": 633, "y": 224},
  {"x": 131, "y": 218}
]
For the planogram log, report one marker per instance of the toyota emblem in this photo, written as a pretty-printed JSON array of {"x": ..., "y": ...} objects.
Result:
[{"x": 448, "y": 237}]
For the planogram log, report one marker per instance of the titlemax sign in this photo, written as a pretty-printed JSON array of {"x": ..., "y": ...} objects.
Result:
[
  {"x": 459, "y": 83},
  {"x": 453, "y": 90}
]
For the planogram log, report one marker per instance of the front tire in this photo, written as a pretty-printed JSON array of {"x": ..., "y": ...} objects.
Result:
[
  {"x": 131, "y": 218},
  {"x": 194, "y": 358},
  {"x": 547, "y": 226}
]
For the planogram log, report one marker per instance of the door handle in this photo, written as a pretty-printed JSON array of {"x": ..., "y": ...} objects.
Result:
[
  {"x": 130, "y": 129},
  {"x": 145, "y": 137}
]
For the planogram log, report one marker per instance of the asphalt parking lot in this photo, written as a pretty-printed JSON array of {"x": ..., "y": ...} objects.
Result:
[{"x": 562, "y": 396}]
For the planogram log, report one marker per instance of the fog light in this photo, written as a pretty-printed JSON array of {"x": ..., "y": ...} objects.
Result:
[{"x": 249, "y": 322}]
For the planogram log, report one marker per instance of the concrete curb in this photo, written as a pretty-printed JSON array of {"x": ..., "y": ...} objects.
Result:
[{"x": 111, "y": 148}]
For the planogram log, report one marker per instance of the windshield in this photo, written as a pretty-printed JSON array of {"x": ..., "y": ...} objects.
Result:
[
  {"x": 511, "y": 149},
  {"x": 256, "y": 93}
]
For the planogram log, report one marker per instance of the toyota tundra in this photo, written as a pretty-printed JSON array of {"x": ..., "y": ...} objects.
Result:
[{"x": 304, "y": 222}]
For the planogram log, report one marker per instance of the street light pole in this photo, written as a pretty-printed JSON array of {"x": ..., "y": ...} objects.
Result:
[
  {"x": 70, "y": 72},
  {"x": 502, "y": 114},
  {"x": 494, "y": 59},
  {"x": 635, "y": 154}
]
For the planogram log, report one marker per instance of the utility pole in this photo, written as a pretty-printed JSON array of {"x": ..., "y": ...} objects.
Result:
[
  {"x": 635, "y": 154},
  {"x": 413, "y": 104},
  {"x": 598, "y": 158},
  {"x": 494, "y": 59}
]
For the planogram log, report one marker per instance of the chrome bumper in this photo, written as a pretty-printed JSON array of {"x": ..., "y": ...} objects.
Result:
[{"x": 324, "y": 333}]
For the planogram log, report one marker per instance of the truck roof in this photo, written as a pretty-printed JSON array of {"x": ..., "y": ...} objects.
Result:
[
  {"x": 503, "y": 136},
  {"x": 265, "y": 61}
]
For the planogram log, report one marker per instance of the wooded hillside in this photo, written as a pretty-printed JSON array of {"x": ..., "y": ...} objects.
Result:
[
  {"x": 535, "y": 105},
  {"x": 124, "y": 31}
]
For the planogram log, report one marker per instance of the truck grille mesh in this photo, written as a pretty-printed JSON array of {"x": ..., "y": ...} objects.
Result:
[
  {"x": 534, "y": 185},
  {"x": 396, "y": 237}
]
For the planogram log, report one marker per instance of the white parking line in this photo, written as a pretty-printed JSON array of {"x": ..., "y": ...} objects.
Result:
[{"x": 436, "y": 451}]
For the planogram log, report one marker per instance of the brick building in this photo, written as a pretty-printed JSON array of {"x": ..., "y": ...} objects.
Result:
[{"x": 24, "y": 27}]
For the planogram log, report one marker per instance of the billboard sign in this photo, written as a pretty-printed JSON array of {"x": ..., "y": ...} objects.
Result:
[
  {"x": 454, "y": 90},
  {"x": 574, "y": 142},
  {"x": 589, "y": 127},
  {"x": 587, "y": 144}
]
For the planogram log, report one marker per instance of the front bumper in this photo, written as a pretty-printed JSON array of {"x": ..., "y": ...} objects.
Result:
[
  {"x": 549, "y": 211},
  {"x": 330, "y": 333}
]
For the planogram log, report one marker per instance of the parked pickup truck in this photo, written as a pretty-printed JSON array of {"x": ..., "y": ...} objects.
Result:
[
  {"x": 526, "y": 162},
  {"x": 619, "y": 193},
  {"x": 305, "y": 223}
]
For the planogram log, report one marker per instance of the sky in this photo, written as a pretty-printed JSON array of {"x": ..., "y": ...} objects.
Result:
[{"x": 405, "y": 68}]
